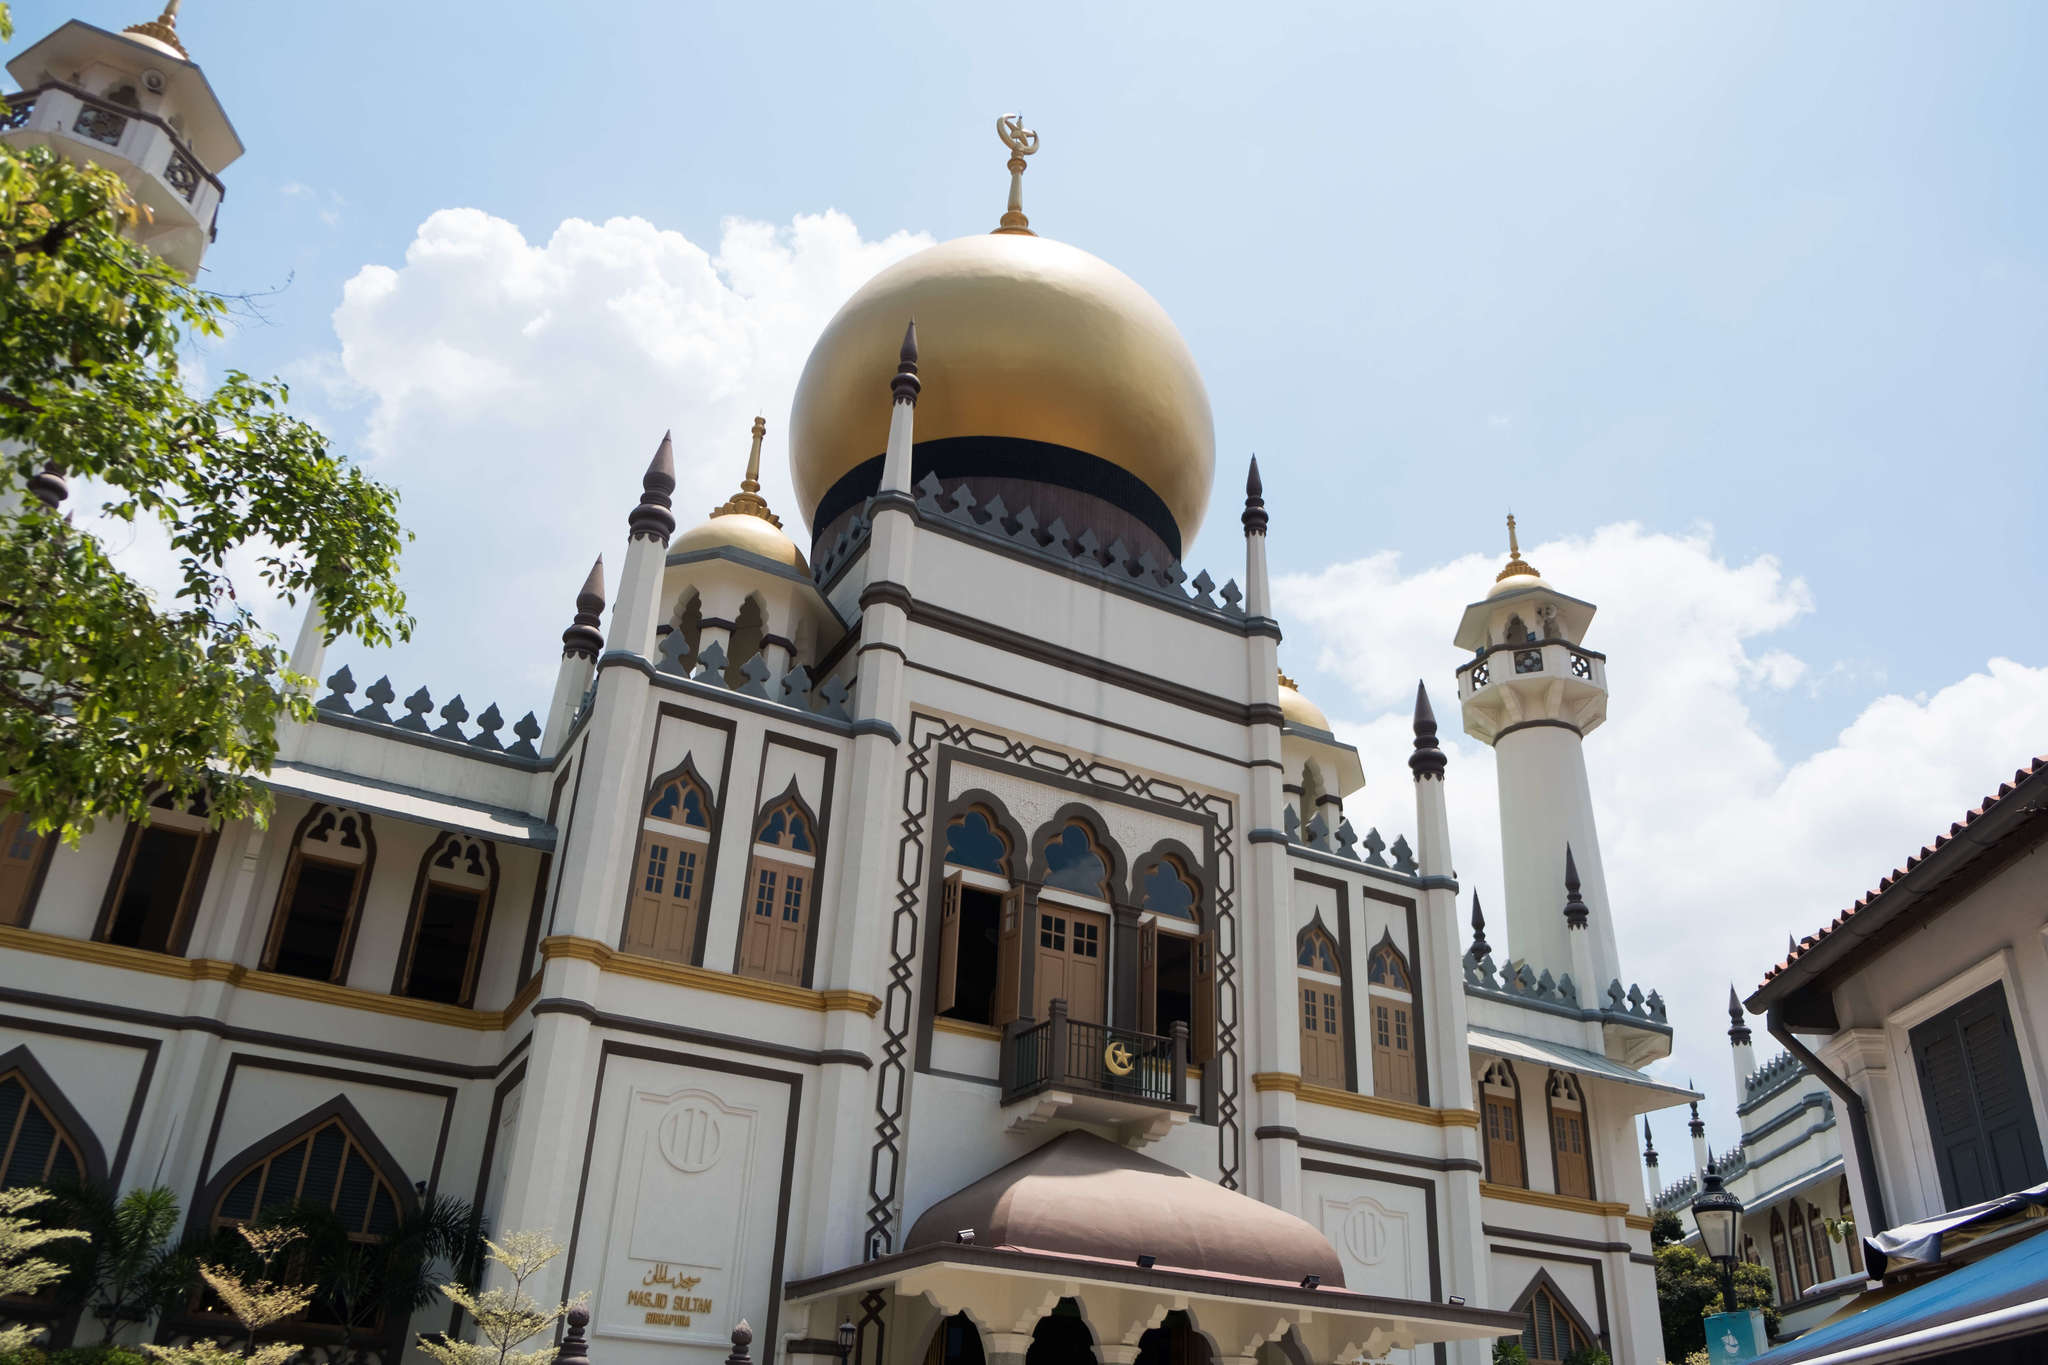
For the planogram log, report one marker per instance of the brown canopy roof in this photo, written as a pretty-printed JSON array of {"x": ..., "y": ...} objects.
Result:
[{"x": 1079, "y": 1195}]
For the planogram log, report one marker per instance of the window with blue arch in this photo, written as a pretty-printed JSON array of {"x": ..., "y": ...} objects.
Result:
[
  {"x": 786, "y": 827},
  {"x": 973, "y": 840},
  {"x": 682, "y": 802},
  {"x": 1073, "y": 863},
  {"x": 1168, "y": 890}
]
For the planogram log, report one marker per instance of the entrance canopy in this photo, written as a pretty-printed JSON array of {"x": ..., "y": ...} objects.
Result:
[{"x": 1130, "y": 1239}]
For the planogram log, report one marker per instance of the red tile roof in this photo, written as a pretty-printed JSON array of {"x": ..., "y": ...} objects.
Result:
[{"x": 1806, "y": 945}]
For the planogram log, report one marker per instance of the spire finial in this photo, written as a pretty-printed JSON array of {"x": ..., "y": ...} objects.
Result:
[
  {"x": 1516, "y": 564},
  {"x": 163, "y": 28},
  {"x": 748, "y": 502},
  {"x": 582, "y": 639},
  {"x": 1254, "y": 501},
  {"x": 1649, "y": 1144},
  {"x": 1575, "y": 908},
  {"x": 1022, "y": 142},
  {"x": 1428, "y": 758},
  {"x": 1738, "y": 1027},
  {"x": 1480, "y": 947},
  {"x": 906, "y": 385},
  {"x": 653, "y": 519}
]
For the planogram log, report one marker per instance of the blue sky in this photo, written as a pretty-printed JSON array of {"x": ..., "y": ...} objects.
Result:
[{"x": 1777, "y": 271}]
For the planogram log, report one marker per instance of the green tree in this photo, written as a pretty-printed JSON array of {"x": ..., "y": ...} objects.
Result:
[
  {"x": 360, "y": 1283},
  {"x": 130, "y": 1268},
  {"x": 1665, "y": 1228},
  {"x": 1689, "y": 1288},
  {"x": 259, "y": 1300},
  {"x": 507, "y": 1317},
  {"x": 24, "y": 1272},
  {"x": 107, "y": 695}
]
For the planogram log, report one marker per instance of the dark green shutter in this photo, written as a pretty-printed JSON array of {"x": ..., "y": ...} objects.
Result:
[{"x": 1979, "y": 1112}]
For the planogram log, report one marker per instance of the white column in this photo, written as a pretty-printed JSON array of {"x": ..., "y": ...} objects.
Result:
[{"x": 651, "y": 524}]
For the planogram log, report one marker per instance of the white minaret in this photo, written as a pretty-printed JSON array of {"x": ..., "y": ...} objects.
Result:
[
  {"x": 1533, "y": 692},
  {"x": 137, "y": 104},
  {"x": 1739, "y": 1051}
]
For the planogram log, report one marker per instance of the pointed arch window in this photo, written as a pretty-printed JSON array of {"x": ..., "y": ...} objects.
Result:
[
  {"x": 671, "y": 868},
  {"x": 1174, "y": 985},
  {"x": 1817, "y": 1236},
  {"x": 445, "y": 935},
  {"x": 1500, "y": 1100},
  {"x": 1320, "y": 979},
  {"x": 158, "y": 877},
  {"x": 35, "y": 1147},
  {"x": 975, "y": 839},
  {"x": 22, "y": 851},
  {"x": 1570, "y": 1146},
  {"x": 977, "y": 960},
  {"x": 1390, "y": 990},
  {"x": 781, "y": 890},
  {"x": 1781, "y": 1260},
  {"x": 329, "y": 1166},
  {"x": 1074, "y": 861},
  {"x": 1852, "y": 1242},
  {"x": 1802, "y": 1258},
  {"x": 1553, "y": 1333},
  {"x": 312, "y": 931}
]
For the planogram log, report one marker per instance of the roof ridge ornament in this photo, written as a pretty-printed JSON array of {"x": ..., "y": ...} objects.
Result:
[
  {"x": 748, "y": 502},
  {"x": 1022, "y": 142},
  {"x": 163, "y": 28},
  {"x": 1516, "y": 564}
]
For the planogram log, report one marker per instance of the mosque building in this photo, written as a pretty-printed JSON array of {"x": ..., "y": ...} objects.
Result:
[{"x": 931, "y": 938}]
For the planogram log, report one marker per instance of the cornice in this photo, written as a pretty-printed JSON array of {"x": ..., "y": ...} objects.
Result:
[
  {"x": 1600, "y": 1208},
  {"x": 1310, "y": 1093},
  {"x": 610, "y": 960}
]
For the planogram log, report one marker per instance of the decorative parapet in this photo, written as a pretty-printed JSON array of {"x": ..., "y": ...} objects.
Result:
[
  {"x": 756, "y": 679},
  {"x": 1345, "y": 843},
  {"x": 376, "y": 710},
  {"x": 1521, "y": 982},
  {"x": 1770, "y": 1078},
  {"x": 835, "y": 556},
  {"x": 1673, "y": 1198}
]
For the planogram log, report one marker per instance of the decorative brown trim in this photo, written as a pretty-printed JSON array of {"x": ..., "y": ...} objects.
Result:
[
  {"x": 795, "y": 1084},
  {"x": 1421, "y": 1163},
  {"x": 1551, "y": 1239},
  {"x": 72, "y": 1124},
  {"x": 609, "y": 959},
  {"x": 966, "y": 1028},
  {"x": 1309, "y": 1093},
  {"x": 1507, "y": 730},
  {"x": 882, "y": 593},
  {"x": 1542, "y": 1277},
  {"x": 1428, "y": 1188},
  {"x": 883, "y": 646},
  {"x": 479, "y": 933}
]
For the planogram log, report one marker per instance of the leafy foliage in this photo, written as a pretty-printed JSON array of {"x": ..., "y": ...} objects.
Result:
[
  {"x": 22, "y": 1235},
  {"x": 107, "y": 695},
  {"x": 1689, "y": 1288},
  {"x": 1665, "y": 1228},
  {"x": 128, "y": 1269},
  {"x": 358, "y": 1284},
  {"x": 506, "y": 1317},
  {"x": 257, "y": 1300}
]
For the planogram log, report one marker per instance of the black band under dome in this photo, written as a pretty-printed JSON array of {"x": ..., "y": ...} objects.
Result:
[{"x": 1010, "y": 457}]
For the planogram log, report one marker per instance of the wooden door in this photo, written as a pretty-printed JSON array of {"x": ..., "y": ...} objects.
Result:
[
  {"x": 949, "y": 945},
  {"x": 1393, "y": 1049},
  {"x": 1148, "y": 977},
  {"x": 1010, "y": 958},
  {"x": 18, "y": 849},
  {"x": 1503, "y": 1141},
  {"x": 1322, "y": 1039},
  {"x": 1069, "y": 964},
  {"x": 778, "y": 920},
  {"x": 663, "y": 919}
]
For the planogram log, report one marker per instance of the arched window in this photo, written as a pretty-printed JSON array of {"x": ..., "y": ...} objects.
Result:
[
  {"x": 1817, "y": 1234},
  {"x": 974, "y": 839},
  {"x": 330, "y": 1166},
  {"x": 1074, "y": 862},
  {"x": 1170, "y": 891},
  {"x": 1852, "y": 1240},
  {"x": 670, "y": 868},
  {"x": 158, "y": 877},
  {"x": 35, "y": 1149},
  {"x": 444, "y": 943},
  {"x": 1321, "y": 981},
  {"x": 1390, "y": 990},
  {"x": 1501, "y": 1101},
  {"x": 1172, "y": 985},
  {"x": 313, "y": 928},
  {"x": 1802, "y": 1259},
  {"x": 21, "y": 853},
  {"x": 1553, "y": 1333},
  {"x": 749, "y": 629},
  {"x": 1781, "y": 1261},
  {"x": 781, "y": 888},
  {"x": 1571, "y": 1150},
  {"x": 1312, "y": 793}
]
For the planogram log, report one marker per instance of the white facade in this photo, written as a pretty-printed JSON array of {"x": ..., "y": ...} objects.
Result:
[{"x": 832, "y": 884}]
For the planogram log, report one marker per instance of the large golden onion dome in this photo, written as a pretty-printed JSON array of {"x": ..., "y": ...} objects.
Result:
[{"x": 1039, "y": 362}]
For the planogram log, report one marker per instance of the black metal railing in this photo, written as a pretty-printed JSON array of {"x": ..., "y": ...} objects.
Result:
[{"x": 1060, "y": 1053}]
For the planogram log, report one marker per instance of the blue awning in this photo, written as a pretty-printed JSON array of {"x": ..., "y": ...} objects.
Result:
[{"x": 2000, "y": 1298}]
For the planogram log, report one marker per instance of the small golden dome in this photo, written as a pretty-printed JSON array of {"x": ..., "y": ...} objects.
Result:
[
  {"x": 1296, "y": 709},
  {"x": 743, "y": 521},
  {"x": 1019, "y": 337},
  {"x": 161, "y": 33},
  {"x": 1518, "y": 573}
]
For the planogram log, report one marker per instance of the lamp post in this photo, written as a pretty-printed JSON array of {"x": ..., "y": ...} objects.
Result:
[
  {"x": 846, "y": 1335},
  {"x": 1719, "y": 1216}
]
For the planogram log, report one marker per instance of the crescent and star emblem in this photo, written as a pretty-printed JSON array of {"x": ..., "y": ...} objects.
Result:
[{"x": 1117, "y": 1057}]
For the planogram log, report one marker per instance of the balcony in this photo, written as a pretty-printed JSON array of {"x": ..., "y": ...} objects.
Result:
[{"x": 1058, "y": 1067}]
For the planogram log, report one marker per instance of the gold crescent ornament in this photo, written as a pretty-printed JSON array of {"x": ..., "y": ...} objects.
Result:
[{"x": 1117, "y": 1057}]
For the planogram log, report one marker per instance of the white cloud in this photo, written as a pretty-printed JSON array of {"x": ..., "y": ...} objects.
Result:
[
  {"x": 514, "y": 391},
  {"x": 1716, "y": 846}
]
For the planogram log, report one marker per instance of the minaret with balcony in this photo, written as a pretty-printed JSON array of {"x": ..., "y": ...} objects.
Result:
[
  {"x": 135, "y": 103},
  {"x": 1533, "y": 691}
]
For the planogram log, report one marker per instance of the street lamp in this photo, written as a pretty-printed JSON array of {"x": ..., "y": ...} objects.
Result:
[
  {"x": 1719, "y": 1216},
  {"x": 846, "y": 1335}
]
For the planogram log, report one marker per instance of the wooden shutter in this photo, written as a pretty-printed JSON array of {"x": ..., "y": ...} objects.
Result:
[
  {"x": 19, "y": 847},
  {"x": 1503, "y": 1144},
  {"x": 1979, "y": 1112},
  {"x": 1010, "y": 958},
  {"x": 1148, "y": 977},
  {"x": 757, "y": 939},
  {"x": 1202, "y": 1036},
  {"x": 949, "y": 944},
  {"x": 1568, "y": 1136},
  {"x": 1823, "y": 1255},
  {"x": 1379, "y": 1018}
]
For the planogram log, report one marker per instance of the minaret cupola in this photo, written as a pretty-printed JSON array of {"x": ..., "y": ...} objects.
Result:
[{"x": 136, "y": 104}]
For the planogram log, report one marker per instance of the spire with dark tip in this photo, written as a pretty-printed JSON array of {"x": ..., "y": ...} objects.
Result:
[
  {"x": 582, "y": 640},
  {"x": 1575, "y": 909},
  {"x": 50, "y": 487},
  {"x": 1254, "y": 502},
  {"x": 1738, "y": 1026},
  {"x": 906, "y": 384},
  {"x": 1649, "y": 1145},
  {"x": 1480, "y": 947},
  {"x": 1428, "y": 758},
  {"x": 1695, "y": 1124},
  {"x": 653, "y": 519}
]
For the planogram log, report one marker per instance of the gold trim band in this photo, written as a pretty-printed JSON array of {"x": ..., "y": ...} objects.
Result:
[
  {"x": 1515, "y": 1194},
  {"x": 1311, "y": 1093},
  {"x": 967, "y": 1028},
  {"x": 608, "y": 959}
]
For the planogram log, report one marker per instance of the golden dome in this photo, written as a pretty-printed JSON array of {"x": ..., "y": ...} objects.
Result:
[
  {"x": 1018, "y": 337},
  {"x": 161, "y": 33},
  {"x": 743, "y": 521},
  {"x": 1296, "y": 709}
]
